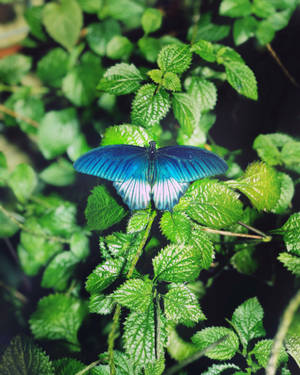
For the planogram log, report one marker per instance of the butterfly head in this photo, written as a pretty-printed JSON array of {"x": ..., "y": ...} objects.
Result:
[{"x": 152, "y": 149}]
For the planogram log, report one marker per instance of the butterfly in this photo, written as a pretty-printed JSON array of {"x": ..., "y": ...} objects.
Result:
[{"x": 140, "y": 174}]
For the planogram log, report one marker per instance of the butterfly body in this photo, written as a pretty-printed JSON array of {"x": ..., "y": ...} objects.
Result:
[{"x": 140, "y": 174}]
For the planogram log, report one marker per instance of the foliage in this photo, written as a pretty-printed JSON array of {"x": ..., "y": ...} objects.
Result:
[{"x": 114, "y": 73}]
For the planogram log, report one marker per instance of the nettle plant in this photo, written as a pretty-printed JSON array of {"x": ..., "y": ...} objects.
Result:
[{"x": 147, "y": 277}]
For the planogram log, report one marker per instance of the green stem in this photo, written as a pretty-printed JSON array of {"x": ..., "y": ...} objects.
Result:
[
  {"x": 195, "y": 18},
  {"x": 233, "y": 234},
  {"x": 87, "y": 368},
  {"x": 281, "y": 333},
  {"x": 112, "y": 333}
]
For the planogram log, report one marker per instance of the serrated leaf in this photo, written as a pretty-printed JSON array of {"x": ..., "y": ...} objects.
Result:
[
  {"x": 243, "y": 261},
  {"x": 243, "y": 29},
  {"x": 58, "y": 317},
  {"x": 156, "y": 75},
  {"x": 126, "y": 134},
  {"x": 67, "y": 366},
  {"x": 218, "y": 369},
  {"x": 102, "y": 211},
  {"x": 23, "y": 181},
  {"x": 138, "y": 221},
  {"x": 101, "y": 304},
  {"x": 222, "y": 351},
  {"x": 247, "y": 321},
  {"x": 187, "y": 111},
  {"x": 60, "y": 173},
  {"x": 292, "y": 343},
  {"x": 205, "y": 91},
  {"x": 57, "y": 131},
  {"x": 211, "y": 203},
  {"x": 119, "y": 47},
  {"x": 291, "y": 233},
  {"x": 203, "y": 247},
  {"x": 171, "y": 81},
  {"x": 176, "y": 263},
  {"x": 174, "y": 58},
  {"x": 205, "y": 50},
  {"x": 13, "y": 68},
  {"x": 149, "y": 106},
  {"x": 242, "y": 79},
  {"x": 120, "y": 79},
  {"x": 60, "y": 26},
  {"x": 151, "y": 20},
  {"x": 260, "y": 184},
  {"x": 287, "y": 191},
  {"x": 235, "y": 8},
  {"x": 99, "y": 35},
  {"x": 291, "y": 262},
  {"x": 262, "y": 352},
  {"x": 52, "y": 67},
  {"x": 135, "y": 294},
  {"x": 23, "y": 357},
  {"x": 156, "y": 368},
  {"x": 182, "y": 306},
  {"x": 176, "y": 226}
]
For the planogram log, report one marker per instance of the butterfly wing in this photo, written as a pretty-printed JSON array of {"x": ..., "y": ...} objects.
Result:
[
  {"x": 126, "y": 165},
  {"x": 176, "y": 166}
]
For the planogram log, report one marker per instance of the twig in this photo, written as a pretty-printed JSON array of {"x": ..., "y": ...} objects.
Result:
[
  {"x": 255, "y": 230},
  {"x": 16, "y": 115},
  {"x": 87, "y": 368},
  {"x": 233, "y": 234},
  {"x": 15, "y": 292},
  {"x": 283, "y": 68},
  {"x": 281, "y": 333}
]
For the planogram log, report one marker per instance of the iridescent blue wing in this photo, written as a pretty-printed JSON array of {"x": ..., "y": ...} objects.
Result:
[
  {"x": 188, "y": 163},
  {"x": 176, "y": 166},
  {"x": 126, "y": 165}
]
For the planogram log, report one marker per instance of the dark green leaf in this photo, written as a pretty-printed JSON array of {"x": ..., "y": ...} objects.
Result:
[
  {"x": 243, "y": 260},
  {"x": 67, "y": 366},
  {"x": 208, "y": 31},
  {"x": 242, "y": 79},
  {"x": 60, "y": 173},
  {"x": 174, "y": 58},
  {"x": 99, "y": 34},
  {"x": 291, "y": 233},
  {"x": 13, "y": 67},
  {"x": 23, "y": 181},
  {"x": 53, "y": 67},
  {"x": 291, "y": 262},
  {"x": 151, "y": 20},
  {"x": 243, "y": 29},
  {"x": 33, "y": 17},
  {"x": 149, "y": 48},
  {"x": 235, "y": 8}
]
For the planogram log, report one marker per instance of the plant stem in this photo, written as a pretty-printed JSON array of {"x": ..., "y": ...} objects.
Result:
[
  {"x": 195, "y": 19},
  {"x": 281, "y": 333},
  {"x": 14, "y": 292},
  {"x": 87, "y": 368},
  {"x": 255, "y": 230},
  {"x": 112, "y": 333},
  {"x": 18, "y": 116},
  {"x": 233, "y": 234}
]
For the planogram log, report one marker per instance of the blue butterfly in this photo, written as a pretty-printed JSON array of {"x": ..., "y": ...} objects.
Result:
[{"x": 142, "y": 173}]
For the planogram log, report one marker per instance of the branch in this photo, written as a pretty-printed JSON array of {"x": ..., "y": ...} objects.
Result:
[
  {"x": 89, "y": 367},
  {"x": 17, "y": 116},
  {"x": 233, "y": 234}
]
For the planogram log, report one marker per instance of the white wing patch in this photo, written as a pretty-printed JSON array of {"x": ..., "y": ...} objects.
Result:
[
  {"x": 167, "y": 192},
  {"x": 135, "y": 192}
]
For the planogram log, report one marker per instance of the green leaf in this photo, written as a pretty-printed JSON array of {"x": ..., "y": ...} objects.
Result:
[
  {"x": 135, "y": 294},
  {"x": 29, "y": 107},
  {"x": 205, "y": 91},
  {"x": 102, "y": 211},
  {"x": 227, "y": 55},
  {"x": 59, "y": 271},
  {"x": 22, "y": 356},
  {"x": 101, "y": 304},
  {"x": 176, "y": 226},
  {"x": 218, "y": 369},
  {"x": 149, "y": 106},
  {"x": 120, "y": 244},
  {"x": 67, "y": 366},
  {"x": 78, "y": 147},
  {"x": 99, "y": 35},
  {"x": 7, "y": 227},
  {"x": 138, "y": 221},
  {"x": 243, "y": 29},
  {"x": 205, "y": 50},
  {"x": 53, "y": 67},
  {"x": 291, "y": 233},
  {"x": 151, "y": 20},
  {"x": 60, "y": 173},
  {"x": 60, "y": 26},
  {"x": 176, "y": 263},
  {"x": 126, "y": 134},
  {"x": 211, "y": 203},
  {"x": 182, "y": 306},
  {"x": 243, "y": 260},
  {"x": 156, "y": 75},
  {"x": 33, "y": 17},
  {"x": 119, "y": 47},
  {"x": 287, "y": 191},
  {"x": 58, "y": 317},
  {"x": 224, "y": 350},
  {"x": 280, "y": 20},
  {"x": 267, "y": 146},
  {"x": 242, "y": 79},
  {"x": 291, "y": 262},
  {"x": 292, "y": 343},
  {"x": 177, "y": 347},
  {"x": 291, "y": 155},
  {"x": 263, "y": 8},
  {"x": 262, "y": 352},
  {"x": 207, "y": 30},
  {"x": 265, "y": 32},
  {"x": 13, "y": 68},
  {"x": 149, "y": 48},
  {"x": 156, "y": 368},
  {"x": 23, "y": 181},
  {"x": 174, "y": 58},
  {"x": 91, "y": 6},
  {"x": 120, "y": 79},
  {"x": 171, "y": 81},
  {"x": 187, "y": 111},
  {"x": 247, "y": 321},
  {"x": 235, "y": 8},
  {"x": 3, "y": 169},
  {"x": 57, "y": 131},
  {"x": 260, "y": 184},
  {"x": 79, "y": 85},
  {"x": 79, "y": 245},
  {"x": 203, "y": 247},
  {"x": 128, "y": 11}
]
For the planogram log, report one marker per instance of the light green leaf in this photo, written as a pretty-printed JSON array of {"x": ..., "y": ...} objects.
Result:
[
  {"x": 102, "y": 211},
  {"x": 58, "y": 317},
  {"x": 247, "y": 321},
  {"x": 13, "y": 68},
  {"x": 156, "y": 368},
  {"x": 176, "y": 226},
  {"x": 205, "y": 91},
  {"x": 128, "y": 11},
  {"x": 120, "y": 244},
  {"x": 4, "y": 173},
  {"x": 151, "y": 20},
  {"x": 292, "y": 343},
  {"x": 176, "y": 263},
  {"x": 135, "y": 294},
  {"x": 265, "y": 32},
  {"x": 218, "y": 369},
  {"x": 31, "y": 108},
  {"x": 287, "y": 191},
  {"x": 243, "y": 29},
  {"x": 207, "y": 30},
  {"x": 156, "y": 75},
  {"x": 263, "y": 8},
  {"x": 291, "y": 155},
  {"x": 235, "y": 8},
  {"x": 138, "y": 221},
  {"x": 187, "y": 111},
  {"x": 53, "y": 67},
  {"x": 126, "y": 134},
  {"x": 101, "y": 304},
  {"x": 211, "y": 203},
  {"x": 267, "y": 146},
  {"x": 174, "y": 58},
  {"x": 60, "y": 26},
  {"x": 208, "y": 336},
  {"x": 205, "y": 50},
  {"x": 203, "y": 247},
  {"x": 243, "y": 260},
  {"x": 23, "y": 181},
  {"x": 22, "y": 356},
  {"x": 171, "y": 81},
  {"x": 60, "y": 173},
  {"x": 280, "y": 20},
  {"x": 227, "y": 55},
  {"x": 149, "y": 106},
  {"x": 79, "y": 245},
  {"x": 57, "y": 131},
  {"x": 120, "y": 79},
  {"x": 291, "y": 233},
  {"x": 262, "y": 352},
  {"x": 242, "y": 79},
  {"x": 78, "y": 147},
  {"x": 260, "y": 184},
  {"x": 149, "y": 48},
  {"x": 182, "y": 306},
  {"x": 91, "y": 6},
  {"x": 291, "y": 262},
  {"x": 99, "y": 35},
  {"x": 7, "y": 227},
  {"x": 177, "y": 347},
  {"x": 33, "y": 17},
  {"x": 119, "y": 47}
]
